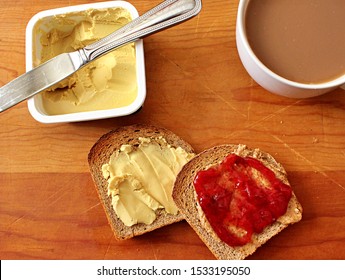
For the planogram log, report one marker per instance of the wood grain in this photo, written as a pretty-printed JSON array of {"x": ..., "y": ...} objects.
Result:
[{"x": 196, "y": 87}]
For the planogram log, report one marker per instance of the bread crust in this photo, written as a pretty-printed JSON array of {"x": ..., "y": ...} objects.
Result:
[
  {"x": 185, "y": 198},
  {"x": 100, "y": 154}
]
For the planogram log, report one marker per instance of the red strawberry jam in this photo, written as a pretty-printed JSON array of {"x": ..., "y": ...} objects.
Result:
[{"x": 239, "y": 197}]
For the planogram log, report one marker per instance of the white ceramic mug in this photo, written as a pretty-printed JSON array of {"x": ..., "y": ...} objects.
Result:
[{"x": 268, "y": 79}]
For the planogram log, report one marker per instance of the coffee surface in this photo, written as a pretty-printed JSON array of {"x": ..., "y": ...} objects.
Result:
[{"x": 300, "y": 40}]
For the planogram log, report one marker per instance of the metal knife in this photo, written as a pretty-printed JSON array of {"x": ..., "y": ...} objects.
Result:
[{"x": 165, "y": 15}]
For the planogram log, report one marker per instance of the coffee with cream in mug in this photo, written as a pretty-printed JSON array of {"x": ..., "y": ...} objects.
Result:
[{"x": 300, "y": 40}]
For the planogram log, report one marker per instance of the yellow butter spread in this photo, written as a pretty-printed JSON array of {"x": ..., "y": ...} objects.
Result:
[
  {"x": 140, "y": 179},
  {"x": 108, "y": 82}
]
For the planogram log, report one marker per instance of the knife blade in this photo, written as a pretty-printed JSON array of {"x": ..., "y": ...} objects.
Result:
[
  {"x": 39, "y": 79},
  {"x": 164, "y": 15}
]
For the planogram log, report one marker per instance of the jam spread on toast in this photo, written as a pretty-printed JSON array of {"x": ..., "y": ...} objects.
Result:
[{"x": 239, "y": 197}]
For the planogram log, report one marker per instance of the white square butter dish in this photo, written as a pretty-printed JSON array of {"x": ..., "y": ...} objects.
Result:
[{"x": 33, "y": 49}]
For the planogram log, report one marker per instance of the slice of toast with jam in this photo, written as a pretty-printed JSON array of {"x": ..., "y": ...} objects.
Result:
[{"x": 236, "y": 199}]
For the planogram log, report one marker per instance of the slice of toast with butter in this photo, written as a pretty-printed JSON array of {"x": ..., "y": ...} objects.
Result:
[
  {"x": 134, "y": 169},
  {"x": 236, "y": 199}
]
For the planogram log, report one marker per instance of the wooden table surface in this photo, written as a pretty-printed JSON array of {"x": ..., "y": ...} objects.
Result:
[{"x": 196, "y": 87}]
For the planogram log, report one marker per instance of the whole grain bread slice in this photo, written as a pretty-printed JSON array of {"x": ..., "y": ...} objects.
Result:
[
  {"x": 100, "y": 154},
  {"x": 186, "y": 200}
]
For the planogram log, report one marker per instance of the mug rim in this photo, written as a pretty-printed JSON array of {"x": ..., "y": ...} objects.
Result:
[{"x": 241, "y": 30}]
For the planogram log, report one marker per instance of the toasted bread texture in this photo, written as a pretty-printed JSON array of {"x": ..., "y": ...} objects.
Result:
[
  {"x": 185, "y": 198},
  {"x": 100, "y": 154}
]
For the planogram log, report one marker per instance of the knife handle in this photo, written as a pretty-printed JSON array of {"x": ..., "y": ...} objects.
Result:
[{"x": 165, "y": 15}]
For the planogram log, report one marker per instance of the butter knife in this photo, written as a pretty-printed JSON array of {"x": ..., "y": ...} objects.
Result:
[{"x": 165, "y": 15}]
